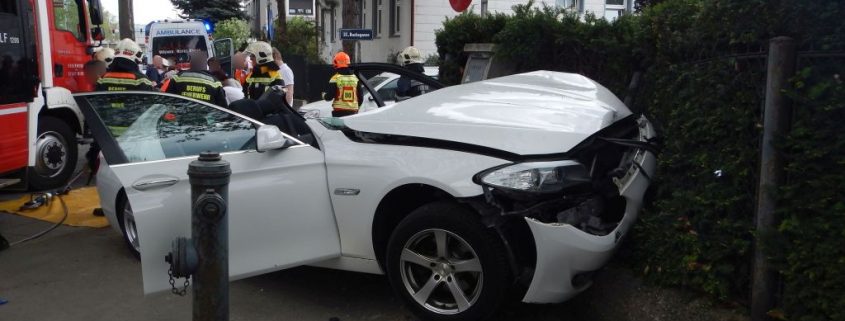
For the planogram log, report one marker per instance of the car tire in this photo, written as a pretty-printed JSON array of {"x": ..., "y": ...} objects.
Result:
[
  {"x": 126, "y": 220},
  {"x": 441, "y": 251},
  {"x": 55, "y": 154}
]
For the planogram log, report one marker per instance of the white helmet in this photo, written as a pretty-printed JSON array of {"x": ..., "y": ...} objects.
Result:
[
  {"x": 262, "y": 51},
  {"x": 105, "y": 54},
  {"x": 128, "y": 49},
  {"x": 410, "y": 55}
]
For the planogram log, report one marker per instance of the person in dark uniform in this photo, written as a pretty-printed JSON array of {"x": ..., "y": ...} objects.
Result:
[
  {"x": 123, "y": 73},
  {"x": 197, "y": 82},
  {"x": 266, "y": 72},
  {"x": 411, "y": 59}
]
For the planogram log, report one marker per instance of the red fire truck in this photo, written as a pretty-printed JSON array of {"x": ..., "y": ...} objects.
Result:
[{"x": 43, "y": 47}]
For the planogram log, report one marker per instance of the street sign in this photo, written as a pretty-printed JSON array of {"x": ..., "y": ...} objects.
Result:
[{"x": 356, "y": 34}]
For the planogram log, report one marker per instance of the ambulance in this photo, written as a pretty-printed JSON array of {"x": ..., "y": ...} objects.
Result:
[{"x": 176, "y": 39}]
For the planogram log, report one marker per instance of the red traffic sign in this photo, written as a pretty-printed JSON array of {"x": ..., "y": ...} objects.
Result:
[{"x": 460, "y": 5}]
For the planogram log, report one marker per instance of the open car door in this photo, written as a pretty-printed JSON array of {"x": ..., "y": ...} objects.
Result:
[
  {"x": 224, "y": 51},
  {"x": 280, "y": 214}
]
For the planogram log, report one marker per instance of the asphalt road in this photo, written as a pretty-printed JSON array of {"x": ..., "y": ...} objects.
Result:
[{"x": 88, "y": 274}]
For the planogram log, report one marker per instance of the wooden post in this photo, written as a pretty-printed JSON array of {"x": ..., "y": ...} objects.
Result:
[{"x": 776, "y": 118}]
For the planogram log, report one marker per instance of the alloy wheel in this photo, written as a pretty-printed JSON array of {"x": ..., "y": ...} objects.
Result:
[
  {"x": 441, "y": 271},
  {"x": 129, "y": 229}
]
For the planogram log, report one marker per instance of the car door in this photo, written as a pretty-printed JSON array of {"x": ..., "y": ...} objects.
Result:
[
  {"x": 280, "y": 213},
  {"x": 385, "y": 86}
]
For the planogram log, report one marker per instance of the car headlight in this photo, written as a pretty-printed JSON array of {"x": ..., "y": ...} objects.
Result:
[{"x": 536, "y": 177}]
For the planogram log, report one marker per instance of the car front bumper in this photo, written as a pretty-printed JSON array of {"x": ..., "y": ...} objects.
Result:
[{"x": 567, "y": 256}]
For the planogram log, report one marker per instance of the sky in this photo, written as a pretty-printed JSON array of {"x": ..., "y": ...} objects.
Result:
[{"x": 145, "y": 10}]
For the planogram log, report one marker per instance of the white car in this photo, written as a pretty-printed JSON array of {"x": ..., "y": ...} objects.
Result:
[
  {"x": 521, "y": 184},
  {"x": 384, "y": 84}
]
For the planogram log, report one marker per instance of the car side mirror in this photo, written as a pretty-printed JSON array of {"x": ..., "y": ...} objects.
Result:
[
  {"x": 370, "y": 98},
  {"x": 269, "y": 137}
]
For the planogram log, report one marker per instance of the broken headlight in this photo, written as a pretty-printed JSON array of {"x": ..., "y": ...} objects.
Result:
[{"x": 536, "y": 177}]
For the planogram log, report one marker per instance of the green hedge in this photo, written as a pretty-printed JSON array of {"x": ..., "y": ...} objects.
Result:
[{"x": 706, "y": 97}]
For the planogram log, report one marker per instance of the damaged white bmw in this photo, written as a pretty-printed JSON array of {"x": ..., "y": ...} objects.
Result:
[{"x": 461, "y": 196}]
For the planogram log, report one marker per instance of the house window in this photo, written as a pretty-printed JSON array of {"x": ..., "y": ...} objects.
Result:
[
  {"x": 395, "y": 13},
  {"x": 377, "y": 10},
  {"x": 613, "y": 9},
  {"x": 363, "y": 14},
  {"x": 567, "y": 4},
  {"x": 334, "y": 26}
]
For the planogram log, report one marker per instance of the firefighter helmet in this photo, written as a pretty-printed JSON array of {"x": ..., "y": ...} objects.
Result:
[
  {"x": 262, "y": 51},
  {"x": 410, "y": 55},
  {"x": 105, "y": 54},
  {"x": 128, "y": 49},
  {"x": 341, "y": 60}
]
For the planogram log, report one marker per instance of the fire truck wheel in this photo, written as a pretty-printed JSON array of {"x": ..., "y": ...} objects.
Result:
[{"x": 55, "y": 154}]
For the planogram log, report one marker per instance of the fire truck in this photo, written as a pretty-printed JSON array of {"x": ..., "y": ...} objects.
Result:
[{"x": 44, "y": 45}]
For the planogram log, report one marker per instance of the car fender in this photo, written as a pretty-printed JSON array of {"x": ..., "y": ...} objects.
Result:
[{"x": 360, "y": 175}]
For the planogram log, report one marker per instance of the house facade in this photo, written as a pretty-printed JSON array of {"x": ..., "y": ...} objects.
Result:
[{"x": 397, "y": 24}]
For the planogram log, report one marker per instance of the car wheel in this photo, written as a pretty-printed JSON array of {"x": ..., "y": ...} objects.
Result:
[
  {"x": 126, "y": 219},
  {"x": 55, "y": 154},
  {"x": 446, "y": 265}
]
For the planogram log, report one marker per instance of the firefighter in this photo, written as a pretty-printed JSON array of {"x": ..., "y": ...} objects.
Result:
[
  {"x": 411, "y": 59},
  {"x": 344, "y": 86},
  {"x": 123, "y": 73},
  {"x": 265, "y": 73},
  {"x": 197, "y": 82}
]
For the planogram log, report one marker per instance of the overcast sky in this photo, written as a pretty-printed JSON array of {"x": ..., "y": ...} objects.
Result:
[{"x": 145, "y": 10}]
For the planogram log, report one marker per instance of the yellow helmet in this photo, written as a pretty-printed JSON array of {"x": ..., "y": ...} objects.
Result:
[
  {"x": 410, "y": 55},
  {"x": 262, "y": 51}
]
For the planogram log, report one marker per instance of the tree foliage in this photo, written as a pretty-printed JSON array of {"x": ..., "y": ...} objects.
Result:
[
  {"x": 214, "y": 10},
  {"x": 236, "y": 29},
  {"x": 301, "y": 39},
  {"x": 704, "y": 87}
]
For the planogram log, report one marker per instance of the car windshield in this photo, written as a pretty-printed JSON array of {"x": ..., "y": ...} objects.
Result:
[{"x": 375, "y": 81}]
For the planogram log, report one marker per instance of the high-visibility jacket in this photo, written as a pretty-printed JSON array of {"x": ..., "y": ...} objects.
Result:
[
  {"x": 346, "y": 94},
  {"x": 200, "y": 85},
  {"x": 123, "y": 81},
  {"x": 262, "y": 77}
]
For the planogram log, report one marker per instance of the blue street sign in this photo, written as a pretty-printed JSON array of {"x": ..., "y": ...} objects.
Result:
[{"x": 356, "y": 34}]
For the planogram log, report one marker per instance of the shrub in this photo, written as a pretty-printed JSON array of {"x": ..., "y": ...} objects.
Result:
[
  {"x": 301, "y": 39},
  {"x": 236, "y": 29},
  {"x": 703, "y": 87}
]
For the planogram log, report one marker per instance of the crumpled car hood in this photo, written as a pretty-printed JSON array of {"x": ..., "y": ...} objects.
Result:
[{"x": 535, "y": 113}]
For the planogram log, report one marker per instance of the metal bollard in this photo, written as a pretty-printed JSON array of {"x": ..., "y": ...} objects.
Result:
[{"x": 206, "y": 255}]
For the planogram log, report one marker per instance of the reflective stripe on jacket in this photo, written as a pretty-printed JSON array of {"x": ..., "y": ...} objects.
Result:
[
  {"x": 257, "y": 82},
  {"x": 199, "y": 85},
  {"x": 346, "y": 97},
  {"x": 123, "y": 81}
]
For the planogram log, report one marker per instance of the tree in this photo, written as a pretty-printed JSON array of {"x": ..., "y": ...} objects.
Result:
[
  {"x": 300, "y": 39},
  {"x": 214, "y": 10},
  {"x": 281, "y": 32},
  {"x": 236, "y": 29},
  {"x": 108, "y": 27},
  {"x": 351, "y": 13}
]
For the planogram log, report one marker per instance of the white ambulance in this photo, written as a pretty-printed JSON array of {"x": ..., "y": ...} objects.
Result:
[{"x": 176, "y": 39}]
